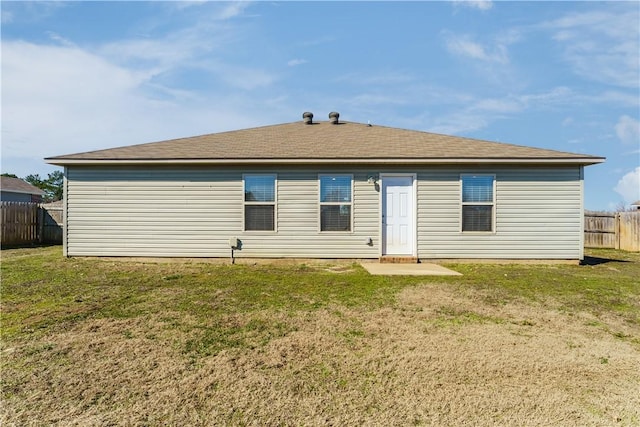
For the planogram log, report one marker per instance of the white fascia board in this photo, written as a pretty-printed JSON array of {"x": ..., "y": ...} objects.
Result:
[{"x": 442, "y": 161}]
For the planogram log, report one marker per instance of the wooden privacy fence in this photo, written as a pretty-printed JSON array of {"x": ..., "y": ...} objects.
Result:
[
  {"x": 50, "y": 222},
  {"x": 620, "y": 230},
  {"x": 19, "y": 223},
  {"x": 29, "y": 223}
]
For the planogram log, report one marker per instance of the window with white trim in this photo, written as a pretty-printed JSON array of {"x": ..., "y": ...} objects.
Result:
[
  {"x": 478, "y": 202},
  {"x": 335, "y": 202},
  {"x": 259, "y": 202}
]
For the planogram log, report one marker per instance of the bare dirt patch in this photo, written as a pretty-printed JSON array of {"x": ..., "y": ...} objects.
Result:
[{"x": 436, "y": 357}]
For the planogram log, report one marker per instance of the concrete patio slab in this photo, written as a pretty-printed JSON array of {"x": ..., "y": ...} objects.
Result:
[{"x": 421, "y": 269}]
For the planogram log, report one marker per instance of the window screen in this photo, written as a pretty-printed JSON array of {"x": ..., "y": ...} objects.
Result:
[
  {"x": 259, "y": 188},
  {"x": 478, "y": 202},
  {"x": 335, "y": 202},
  {"x": 477, "y": 189},
  {"x": 259, "y": 202},
  {"x": 477, "y": 218}
]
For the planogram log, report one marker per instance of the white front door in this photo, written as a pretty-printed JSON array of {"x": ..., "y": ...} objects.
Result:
[{"x": 398, "y": 220}]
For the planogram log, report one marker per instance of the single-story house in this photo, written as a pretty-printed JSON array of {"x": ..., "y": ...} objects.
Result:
[
  {"x": 330, "y": 189},
  {"x": 18, "y": 190}
]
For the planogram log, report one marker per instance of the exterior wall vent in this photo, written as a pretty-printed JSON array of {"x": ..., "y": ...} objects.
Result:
[
  {"x": 333, "y": 117},
  {"x": 307, "y": 117}
]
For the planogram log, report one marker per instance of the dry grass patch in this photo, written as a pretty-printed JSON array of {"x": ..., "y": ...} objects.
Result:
[
  {"x": 403, "y": 365},
  {"x": 191, "y": 347}
]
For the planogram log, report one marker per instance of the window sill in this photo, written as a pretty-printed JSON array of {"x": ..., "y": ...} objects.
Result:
[{"x": 478, "y": 233}]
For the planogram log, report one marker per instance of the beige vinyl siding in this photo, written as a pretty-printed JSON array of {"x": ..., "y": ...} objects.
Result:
[
  {"x": 538, "y": 214},
  {"x": 194, "y": 212},
  {"x": 160, "y": 212}
]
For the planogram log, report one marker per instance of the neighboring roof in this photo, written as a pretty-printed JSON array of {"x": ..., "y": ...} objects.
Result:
[
  {"x": 16, "y": 185},
  {"x": 636, "y": 203},
  {"x": 323, "y": 142}
]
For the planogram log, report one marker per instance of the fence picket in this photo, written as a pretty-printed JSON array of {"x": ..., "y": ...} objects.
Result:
[
  {"x": 28, "y": 223},
  {"x": 612, "y": 230}
]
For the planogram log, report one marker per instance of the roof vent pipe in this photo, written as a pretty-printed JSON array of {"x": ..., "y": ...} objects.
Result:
[
  {"x": 307, "y": 117},
  {"x": 333, "y": 117}
]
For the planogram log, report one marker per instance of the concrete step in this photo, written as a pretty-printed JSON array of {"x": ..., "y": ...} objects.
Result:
[{"x": 393, "y": 259}]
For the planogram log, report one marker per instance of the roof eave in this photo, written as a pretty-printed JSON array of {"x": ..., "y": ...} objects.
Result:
[
  {"x": 34, "y": 193},
  {"x": 307, "y": 161}
]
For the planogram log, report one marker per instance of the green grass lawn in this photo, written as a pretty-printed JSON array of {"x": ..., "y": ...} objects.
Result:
[
  {"x": 42, "y": 290},
  {"x": 201, "y": 312}
]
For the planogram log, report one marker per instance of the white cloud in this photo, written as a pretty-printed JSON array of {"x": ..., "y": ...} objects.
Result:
[
  {"x": 233, "y": 9},
  {"x": 506, "y": 105},
  {"x": 474, "y": 4},
  {"x": 226, "y": 10},
  {"x": 14, "y": 12},
  {"x": 318, "y": 41},
  {"x": 459, "y": 123},
  {"x": 7, "y": 17},
  {"x": 374, "y": 99},
  {"x": 200, "y": 46},
  {"x": 61, "y": 97},
  {"x": 61, "y": 40},
  {"x": 296, "y": 61},
  {"x": 78, "y": 88},
  {"x": 84, "y": 101},
  {"x": 602, "y": 46},
  {"x": 174, "y": 49},
  {"x": 629, "y": 186},
  {"x": 628, "y": 130},
  {"x": 184, "y": 4},
  {"x": 245, "y": 78},
  {"x": 370, "y": 78},
  {"x": 557, "y": 95},
  {"x": 479, "y": 113},
  {"x": 465, "y": 46},
  {"x": 615, "y": 98}
]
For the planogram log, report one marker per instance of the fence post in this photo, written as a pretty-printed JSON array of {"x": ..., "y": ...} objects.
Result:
[
  {"x": 617, "y": 230},
  {"x": 40, "y": 224}
]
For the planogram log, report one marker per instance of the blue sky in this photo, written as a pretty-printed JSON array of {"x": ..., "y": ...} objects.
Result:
[{"x": 78, "y": 76}]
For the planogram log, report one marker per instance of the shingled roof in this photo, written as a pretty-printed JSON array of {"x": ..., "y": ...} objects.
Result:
[
  {"x": 17, "y": 185},
  {"x": 323, "y": 142}
]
